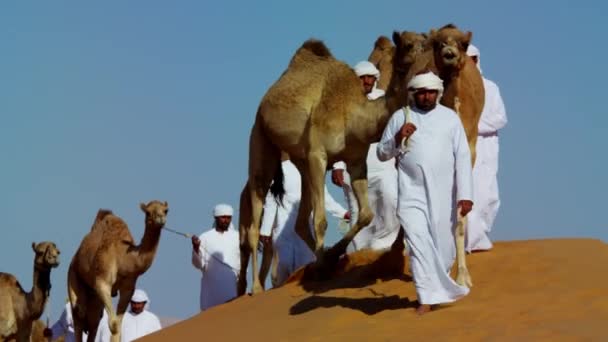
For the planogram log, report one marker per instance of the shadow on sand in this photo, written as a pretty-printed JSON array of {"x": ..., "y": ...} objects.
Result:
[{"x": 356, "y": 270}]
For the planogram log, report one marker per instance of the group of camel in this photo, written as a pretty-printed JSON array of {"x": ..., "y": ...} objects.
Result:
[{"x": 318, "y": 114}]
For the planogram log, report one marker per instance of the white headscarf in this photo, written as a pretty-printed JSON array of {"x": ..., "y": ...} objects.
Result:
[
  {"x": 425, "y": 81},
  {"x": 367, "y": 68},
  {"x": 222, "y": 210},
  {"x": 472, "y": 50},
  {"x": 140, "y": 296}
]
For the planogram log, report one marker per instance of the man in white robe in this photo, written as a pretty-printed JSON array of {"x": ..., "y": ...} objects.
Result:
[
  {"x": 434, "y": 169},
  {"x": 381, "y": 181},
  {"x": 138, "y": 321},
  {"x": 485, "y": 181},
  {"x": 216, "y": 253},
  {"x": 279, "y": 221}
]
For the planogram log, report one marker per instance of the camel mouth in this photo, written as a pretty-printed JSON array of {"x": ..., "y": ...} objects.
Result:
[{"x": 449, "y": 55}]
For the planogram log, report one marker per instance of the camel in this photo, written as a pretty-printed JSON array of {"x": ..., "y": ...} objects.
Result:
[
  {"x": 318, "y": 114},
  {"x": 108, "y": 262},
  {"x": 19, "y": 309}
]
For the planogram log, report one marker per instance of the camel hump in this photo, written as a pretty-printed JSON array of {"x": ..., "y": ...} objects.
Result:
[
  {"x": 383, "y": 43},
  {"x": 102, "y": 213},
  {"x": 317, "y": 47}
]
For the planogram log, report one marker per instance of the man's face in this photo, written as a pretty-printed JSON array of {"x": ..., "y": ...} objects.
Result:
[
  {"x": 222, "y": 222},
  {"x": 368, "y": 83},
  {"x": 137, "y": 307},
  {"x": 426, "y": 99}
]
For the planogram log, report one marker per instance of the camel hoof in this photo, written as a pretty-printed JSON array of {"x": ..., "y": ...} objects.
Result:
[
  {"x": 464, "y": 278},
  {"x": 257, "y": 289}
]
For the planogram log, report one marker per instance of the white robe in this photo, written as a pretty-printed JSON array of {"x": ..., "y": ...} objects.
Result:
[
  {"x": 437, "y": 163},
  {"x": 136, "y": 326},
  {"x": 382, "y": 197},
  {"x": 280, "y": 221},
  {"x": 219, "y": 261},
  {"x": 65, "y": 326},
  {"x": 485, "y": 182}
]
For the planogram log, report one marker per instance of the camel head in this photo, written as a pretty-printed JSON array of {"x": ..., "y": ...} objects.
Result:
[
  {"x": 409, "y": 45},
  {"x": 156, "y": 213},
  {"x": 47, "y": 255},
  {"x": 450, "y": 46},
  {"x": 382, "y": 57}
]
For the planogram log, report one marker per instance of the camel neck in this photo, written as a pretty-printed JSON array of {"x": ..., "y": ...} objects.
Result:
[
  {"x": 147, "y": 247},
  {"x": 41, "y": 287}
]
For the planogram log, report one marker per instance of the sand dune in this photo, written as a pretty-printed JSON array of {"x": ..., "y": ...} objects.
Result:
[{"x": 533, "y": 290}]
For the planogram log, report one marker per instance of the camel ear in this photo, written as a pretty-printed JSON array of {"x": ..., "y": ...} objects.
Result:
[
  {"x": 34, "y": 246},
  {"x": 143, "y": 207},
  {"x": 166, "y": 204},
  {"x": 467, "y": 38},
  {"x": 397, "y": 38}
]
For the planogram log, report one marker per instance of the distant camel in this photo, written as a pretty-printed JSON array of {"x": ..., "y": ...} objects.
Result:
[
  {"x": 19, "y": 309},
  {"x": 108, "y": 262}
]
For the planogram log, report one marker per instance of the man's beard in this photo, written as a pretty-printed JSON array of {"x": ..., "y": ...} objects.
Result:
[{"x": 426, "y": 105}]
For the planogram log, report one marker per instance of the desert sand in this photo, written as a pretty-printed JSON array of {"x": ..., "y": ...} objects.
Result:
[{"x": 538, "y": 290}]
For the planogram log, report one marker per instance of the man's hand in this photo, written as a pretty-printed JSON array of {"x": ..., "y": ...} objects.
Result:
[
  {"x": 347, "y": 216},
  {"x": 405, "y": 132},
  {"x": 465, "y": 207},
  {"x": 196, "y": 243},
  {"x": 337, "y": 177}
]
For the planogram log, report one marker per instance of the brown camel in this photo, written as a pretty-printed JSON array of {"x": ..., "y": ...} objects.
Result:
[
  {"x": 317, "y": 113},
  {"x": 19, "y": 309},
  {"x": 108, "y": 262}
]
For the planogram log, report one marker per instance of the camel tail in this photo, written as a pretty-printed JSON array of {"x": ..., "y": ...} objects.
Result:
[
  {"x": 317, "y": 47},
  {"x": 277, "y": 189}
]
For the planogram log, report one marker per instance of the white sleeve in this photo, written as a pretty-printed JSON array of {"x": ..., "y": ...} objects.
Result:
[
  {"x": 339, "y": 165},
  {"x": 333, "y": 207},
  {"x": 462, "y": 157},
  {"x": 387, "y": 148},
  {"x": 269, "y": 216},
  {"x": 198, "y": 260},
  {"x": 494, "y": 116}
]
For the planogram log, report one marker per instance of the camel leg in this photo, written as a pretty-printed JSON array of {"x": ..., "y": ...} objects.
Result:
[
  {"x": 317, "y": 163},
  {"x": 303, "y": 220},
  {"x": 104, "y": 292},
  {"x": 463, "y": 277},
  {"x": 126, "y": 293},
  {"x": 244, "y": 223},
  {"x": 264, "y": 160},
  {"x": 95, "y": 310},
  {"x": 266, "y": 261},
  {"x": 77, "y": 304},
  {"x": 274, "y": 273},
  {"x": 358, "y": 174}
]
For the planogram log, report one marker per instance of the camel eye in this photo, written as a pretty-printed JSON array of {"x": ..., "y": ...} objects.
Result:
[{"x": 166, "y": 211}]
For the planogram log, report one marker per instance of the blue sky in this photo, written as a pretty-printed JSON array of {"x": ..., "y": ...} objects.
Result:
[{"x": 109, "y": 104}]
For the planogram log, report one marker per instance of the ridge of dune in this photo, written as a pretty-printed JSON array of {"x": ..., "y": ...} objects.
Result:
[{"x": 555, "y": 289}]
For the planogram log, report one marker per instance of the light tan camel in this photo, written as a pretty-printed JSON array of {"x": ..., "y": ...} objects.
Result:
[
  {"x": 317, "y": 113},
  {"x": 108, "y": 262},
  {"x": 19, "y": 309}
]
